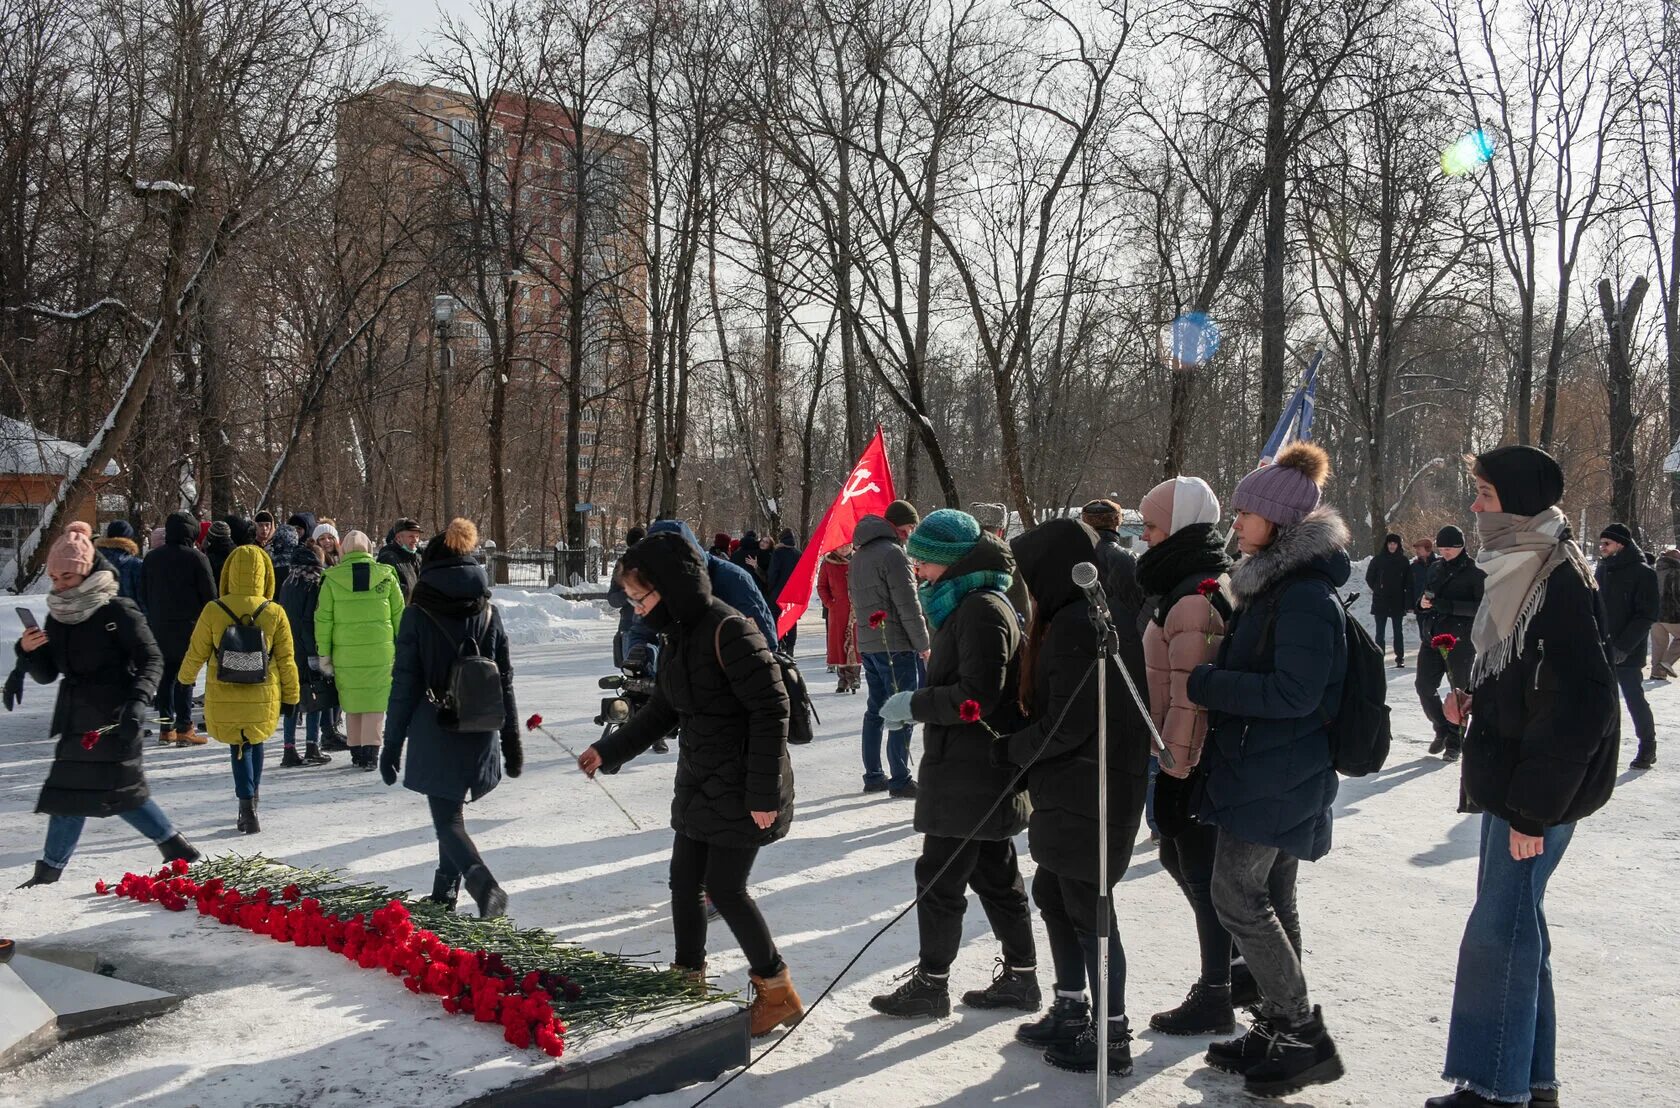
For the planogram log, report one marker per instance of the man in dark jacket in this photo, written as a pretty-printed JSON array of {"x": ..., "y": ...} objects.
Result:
[
  {"x": 1423, "y": 562},
  {"x": 975, "y": 640},
  {"x": 402, "y": 553},
  {"x": 1632, "y": 601},
  {"x": 1447, "y": 606},
  {"x": 119, "y": 548},
  {"x": 175, "y": 585},
  {"x": 784, "y": 559},
  {"x": 892, "y": 638},
  {"x": 1389, "y": 577}
]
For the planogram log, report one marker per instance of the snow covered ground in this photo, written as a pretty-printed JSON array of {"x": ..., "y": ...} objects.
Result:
[{"x": 278, "y": 1025}]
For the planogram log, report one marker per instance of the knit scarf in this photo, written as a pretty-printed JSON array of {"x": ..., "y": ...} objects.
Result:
[
  {"x": 75, "y": 605},
  {"x": 1197, "y": 549},
  {"x": 1518, "y": 554},
  {"x": 940, "y": 598}
]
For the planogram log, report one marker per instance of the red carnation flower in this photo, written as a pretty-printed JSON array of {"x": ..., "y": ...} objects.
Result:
[
  {"x": 533, "y": 723},
  {"x": 877, "y": 618},
  {"x": 101, "y": 888},
  {"x": 1444, "y": 642},
  {"x": 178, "y": 865},
  {"x": 89, "y": 739},
  {"x": 1208, "y": 587},
  {"x": 969, "y": 711}
]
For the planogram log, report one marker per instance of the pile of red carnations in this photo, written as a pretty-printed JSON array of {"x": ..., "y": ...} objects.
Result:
[{"x": 473, "y": 982}]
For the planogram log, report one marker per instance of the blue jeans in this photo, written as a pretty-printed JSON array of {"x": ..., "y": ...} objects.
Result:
[
  {"x": 887, "y": 673},
  {"x": 311, "y": 728},
  {"x": 1631, "y": 680},
  {"x": 64, "y": 832},
  {"x": 1503, "y": 1039},
  {"x": 174, "y": 700},
  {"x": 247, "y": 769}
]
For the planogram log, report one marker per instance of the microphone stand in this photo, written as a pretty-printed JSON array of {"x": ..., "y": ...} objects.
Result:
[{"x": 1108, "y": 645}]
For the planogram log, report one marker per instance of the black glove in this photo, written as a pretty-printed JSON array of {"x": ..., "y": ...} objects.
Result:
[
  {"x": 1000, "y": 753},
  {"x": 131, "y": 721},
  {"x": 14, "y": 689},
  {"x": 390, "y": 760},
  {"x": 513, "y": 752}
]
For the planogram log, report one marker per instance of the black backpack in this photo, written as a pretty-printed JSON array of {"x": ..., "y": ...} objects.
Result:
[
  {"x": 1359, "y": 732},
  {"x": 242, "y": 655},
  {"x": 471, "y": 698},
  {"x": 800, "y": 709}
]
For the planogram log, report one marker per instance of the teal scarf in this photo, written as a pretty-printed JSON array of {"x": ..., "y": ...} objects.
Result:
[{"x": 941, "y": 598}]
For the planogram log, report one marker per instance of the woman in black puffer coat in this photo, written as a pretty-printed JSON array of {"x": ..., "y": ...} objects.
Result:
[
  {"x": 1060, "y": 752},
  {"x": 734, "y": 788},
  {"x": 98, "y": 643},
  {"x": 175, "y": 585},
  {"x": 450, "y": 603}
]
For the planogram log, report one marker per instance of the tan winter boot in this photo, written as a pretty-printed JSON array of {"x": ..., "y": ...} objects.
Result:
[
  {"x": 775, "y": 1003},
  {"x": 190, "y": 737},
  {"x": 166, "y": 738},
  {"x": 696, "y": 975}
]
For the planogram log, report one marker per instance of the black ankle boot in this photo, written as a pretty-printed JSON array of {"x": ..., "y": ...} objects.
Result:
[
  {"x": 1080, "y": 1056},
  {"x": 1299, "y": 1054},
  {"x": 248, "y": 816},
  {"x": 919, "y": 997},
  {"x": 289, "y": 758},
  {"x": 1206, "y": 1011},
  {"x": 488, "y": 895},
  {"x": 1245, "y": 991},
  {"x": 446, "y": 889},
  {"x": 1464, "y": 1098},
  {"x": 1011, "y": 987},
  {"x": 1063, "y": 1023},
  {"x": 312, "y": 755},
  {"x": 1241, "y": 1054},
  {"x": 1645, "y": 757},
  {"x": 44, "y": 875},
  {"x": 177, "y": 847}
]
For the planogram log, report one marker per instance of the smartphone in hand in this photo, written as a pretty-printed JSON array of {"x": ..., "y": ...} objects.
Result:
[{"x": 28, "y": 618}]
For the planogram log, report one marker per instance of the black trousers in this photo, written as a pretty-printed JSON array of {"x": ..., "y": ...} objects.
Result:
[
  {"x": 993, "y": 871},
  {"x": 1399, "y": 621},
  {"x": 1189, "y": 858},
  {"x": 456, "y": 851},
  {"x": 699, "y": 869},
  {"x": 1071, "y": 911},
  {"x": 1632, "y": 682},
  {"x": 1431, "y": 668}
]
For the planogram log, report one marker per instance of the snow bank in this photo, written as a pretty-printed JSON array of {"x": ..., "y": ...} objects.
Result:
[
  {"x": 11, "y": 627},
  {"x": 533, "y": 618}
]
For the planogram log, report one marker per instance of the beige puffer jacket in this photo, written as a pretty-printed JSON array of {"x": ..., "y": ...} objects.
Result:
[{"x": 1193, "y": 632}]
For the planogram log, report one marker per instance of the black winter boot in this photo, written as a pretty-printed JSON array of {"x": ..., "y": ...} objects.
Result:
[
  {"x": 1063, "y": 1023},
  {"x": 1542, "y": 1098},
  {"x": 44, "y": 875},
  {"x": 1080, "y": 1056},
  {"x": 1011, "y": 987},
  {"x": 1299, "y": 1054},
  {"x": 488, "y": 895},
  {"x": 446, "y": 889},
  {"x": 334, "y": 741},
  {"x": 1206, "y": 1011},
  {"x": 1464, "y": 1098},
  {"x": 248, "y": 817},
  {"x": 1245, "y": 991},
  {"x": 1438, "y": 745},
  {"x": 177, "y": 847},
  {"x": 1646, "y": 757},
  {"x": 920, "y": 997},
  {"x": 312, "y": 755},
  {"x": 289, "y": 758},
  {"x": 1239, "y": 1055}
]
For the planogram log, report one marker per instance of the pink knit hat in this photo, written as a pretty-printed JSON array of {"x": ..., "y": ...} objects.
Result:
[{"x": 73, "y": 552}]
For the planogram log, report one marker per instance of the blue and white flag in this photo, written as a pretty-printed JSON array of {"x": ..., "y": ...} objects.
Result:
[{"x": 1295, "y": 425}]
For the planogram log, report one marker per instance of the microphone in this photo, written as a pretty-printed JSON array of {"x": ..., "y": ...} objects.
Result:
[{"x": 1085, "y": 578}]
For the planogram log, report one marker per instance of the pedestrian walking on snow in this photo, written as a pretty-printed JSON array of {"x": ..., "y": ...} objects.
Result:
[
  {"x": 1389, "y": 577},
  {"x": 451, "y": 604},
  {"x": 96, "y": 645},
  {"x": 1665, "y": 633},
  {"x": 356, "y": 621},
  {"x": 784, "y": 559},
  {"x": 892, "y": 639},
  {"x": 972, "y": 693},
  {"x": 1058, "y": 748},
  {"x": 300, "y": 595},
  {"x": 1540, "y": 755},
  {"x": 1271, "y": 778},
  {"x": 175, "y": 585},
  {"x": 237, "y": 710},
  {"x": 734, "y": 786},
  {"x": 1448, "y": 606},
  {"x": 1632, "y": 604}
]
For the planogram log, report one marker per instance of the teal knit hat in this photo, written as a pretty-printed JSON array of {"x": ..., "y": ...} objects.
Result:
[{"x": 943, "y": 537}]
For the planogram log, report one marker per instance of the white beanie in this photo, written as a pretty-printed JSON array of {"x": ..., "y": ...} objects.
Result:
[
  {"x": 1182, "y": 501},
  {"x": 324, "y": 529}
]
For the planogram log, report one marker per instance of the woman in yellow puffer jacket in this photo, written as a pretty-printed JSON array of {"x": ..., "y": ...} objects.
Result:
[{"x": 240, "y": 714}]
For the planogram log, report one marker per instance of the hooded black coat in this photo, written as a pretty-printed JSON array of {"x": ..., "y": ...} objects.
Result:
[
  {"x": 1061, "y": 751},
  {"x": 175, "y": 585},
  {"x": 1632, "y": 602},
  {"x": 108, "y": 668},
  {"x": 407, "y": 564},
  {"x": 718, "y": 680},
  {"x": 1545, "y": 732},
  {"x": 1455, "y": 593},
  {"x": 454, "y": 765},
  {"x": 1389, "y": 577},
  {"x": 973, "y": 658}
]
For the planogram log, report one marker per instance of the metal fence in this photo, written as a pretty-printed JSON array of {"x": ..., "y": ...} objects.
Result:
[{"x": 535, "y": 567}]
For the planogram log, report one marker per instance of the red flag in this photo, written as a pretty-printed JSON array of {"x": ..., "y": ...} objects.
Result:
[{"x": 867, "y": 491}]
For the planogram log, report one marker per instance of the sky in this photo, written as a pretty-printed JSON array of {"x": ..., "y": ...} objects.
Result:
[{"x": 408, "y": 22}]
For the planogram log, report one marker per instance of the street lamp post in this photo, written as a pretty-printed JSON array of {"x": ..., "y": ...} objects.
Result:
[{"x": 443, "y": 313}]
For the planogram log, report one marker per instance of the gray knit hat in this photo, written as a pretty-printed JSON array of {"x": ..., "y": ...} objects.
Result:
[{"x": 1288, "y": 490}]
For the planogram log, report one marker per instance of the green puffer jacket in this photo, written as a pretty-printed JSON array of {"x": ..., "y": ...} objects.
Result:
[{"x": 356, "y": 626}]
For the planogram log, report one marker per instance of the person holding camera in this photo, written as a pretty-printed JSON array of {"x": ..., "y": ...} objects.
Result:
[
  {"x": 97, "y": 646},
  {"x": 734, "y": 782},
  {"x": 1448, "y": 607}
]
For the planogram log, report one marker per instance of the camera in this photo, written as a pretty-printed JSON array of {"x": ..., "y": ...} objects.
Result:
[{"x": 633, "y": 688}]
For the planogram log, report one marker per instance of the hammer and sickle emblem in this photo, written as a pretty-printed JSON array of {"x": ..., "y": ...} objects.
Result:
[{"x": 856, "y": 487}]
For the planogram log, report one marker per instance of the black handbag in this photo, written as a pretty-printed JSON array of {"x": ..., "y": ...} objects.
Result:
[{"x": 317, "y": 692}]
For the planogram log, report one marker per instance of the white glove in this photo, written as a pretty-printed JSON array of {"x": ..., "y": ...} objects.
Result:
[
  {"x": 321, "y": 665},
  {"x": 896, "y": 711}
]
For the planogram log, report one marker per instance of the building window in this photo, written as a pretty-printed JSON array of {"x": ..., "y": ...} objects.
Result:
[{"x": 16, "y": 522}]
